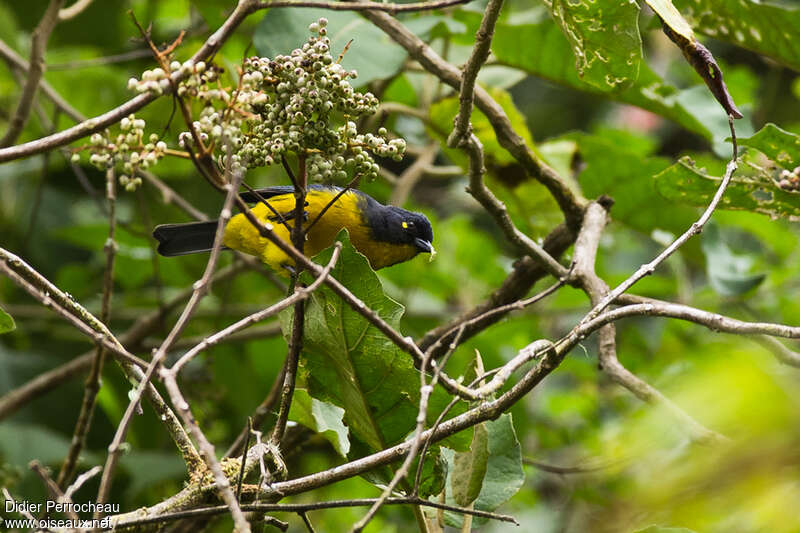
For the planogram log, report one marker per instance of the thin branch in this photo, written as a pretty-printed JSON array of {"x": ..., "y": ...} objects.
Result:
[
  {"x": 595, "y": 220},
  {"x": 298, "y": 295},
  {"x": 411, "y": 176},
  {"x": 303, "y": 507},
  {"x": 133, "y": 337},
  {"x": 39, "y": 40},
  {"x": 693, "y": 230},
  {"x": 200, "y": 288},
  {"x": 74, "y": 10},
  {"x": 50, "y": 296},
  {"x": 93, "y": 381},
  {"x": 392, "y": 8},
  {"x": 100, "y": 122},
  {"x": 480, "y": 53},
  {"x": 569, "y": 201},
  {"x": 298, "y": 234}
]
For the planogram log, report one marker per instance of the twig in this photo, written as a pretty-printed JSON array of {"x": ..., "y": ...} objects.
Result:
[
  {"x": 298, "y": 295},
  {"x": 693, "y": 230},
  {"x": 303, "y": 507},
  {"x": 306, "y": 521},
  {"x": 200, "y": 288},
  {"x": 299, "y": 317},
  {"x": 74, "y": 10},
  {"x": 244, "y": 460},
  {"x": 561, "y": 470},
  {"x": 392, "y": 8},
  {"x": 93, "y": 381},
  {"x": 50, "y": 296},
  {"x": 570, "y": 203},
  {"x": 595, "y": 220},
  {"x": 480, "y": 53},
  {"x": 52, "y": 487},
  {"x": 39, "y": 40},
  {"x": 260, "y": 413},
  {"x": 133, "y": 337},
  {"x": 87, "y": 127},
  {"x": 411, "y": 176}
]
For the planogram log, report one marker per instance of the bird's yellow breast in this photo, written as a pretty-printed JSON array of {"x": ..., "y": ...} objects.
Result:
[{"x": 347, "y": 212}]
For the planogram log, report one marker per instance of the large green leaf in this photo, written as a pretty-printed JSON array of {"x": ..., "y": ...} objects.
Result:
[
  {"x": 351, "y": 364},
  {"x": 768, "y": 28},
  {"x": 604, "y": 36},
  {"x": 469, "y": 468},
  {"x": 504, "y": 473},
  {"x": 754, "y": 186},
  {"x": 371, "y": 53},
  {"x": 538, "y": 32}
]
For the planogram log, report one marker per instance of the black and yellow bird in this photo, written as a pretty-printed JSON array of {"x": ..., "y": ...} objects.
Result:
[{"x": 385, "y": 234}]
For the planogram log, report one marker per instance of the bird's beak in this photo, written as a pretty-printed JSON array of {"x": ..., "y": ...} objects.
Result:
[{"x": 425, "y": 246}]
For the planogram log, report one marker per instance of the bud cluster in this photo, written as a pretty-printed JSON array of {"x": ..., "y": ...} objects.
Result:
[
  {"x": 295, "y": 101},
  {"x": 301, "y": 103},
  {"x": 790, "y": 181},
  {"x": 128, "y": 150}
]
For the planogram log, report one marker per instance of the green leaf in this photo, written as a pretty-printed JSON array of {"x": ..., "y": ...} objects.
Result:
[
  {"x": 504, "y": 473},
  {"x": 538, "y": 32},
  {"x": 605, "y": 40},
  {"x": 671, "y": 17},
  {"x": 728, "y": 273},
  {"x": 781, "y": 146},
  {"x": 618, "y": 164},
  {"x": 6, "y": 322},
  {"x": 469, "y": 468},
  {"x": 322, "y": 417},
  {"x": 752, "y": 188},
  {"x": 764, "y": 27},
  {"x": 371, "y": 53},
  {"x": 351, "y": 364}
]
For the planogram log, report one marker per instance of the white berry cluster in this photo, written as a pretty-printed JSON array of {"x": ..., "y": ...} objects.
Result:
[
  {"x": 128, "y": 150},
  {"x": 790, "y": 181},
  {"x": 302, "y": 104},
  {"x": 295, "y": 101}
]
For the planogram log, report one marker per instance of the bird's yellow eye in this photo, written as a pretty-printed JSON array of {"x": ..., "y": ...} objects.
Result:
[{"x": 405, "y": 225}]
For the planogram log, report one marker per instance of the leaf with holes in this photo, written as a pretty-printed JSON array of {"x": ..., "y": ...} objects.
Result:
[
  {"x": 604, "y": 37},
  {"x": 768, "y": 28},
  {"x": 537, "y": 30},
  {"x": 753, "y": 188}
]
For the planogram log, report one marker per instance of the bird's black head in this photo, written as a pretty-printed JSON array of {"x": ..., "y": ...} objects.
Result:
[{"x": 404, "y": 227}]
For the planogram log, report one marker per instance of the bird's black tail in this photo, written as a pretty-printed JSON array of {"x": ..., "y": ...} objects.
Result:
[{"x": 182, "y": 239}]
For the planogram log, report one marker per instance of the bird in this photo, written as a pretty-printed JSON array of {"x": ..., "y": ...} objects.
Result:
[{"x": 385, "y": 234}]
